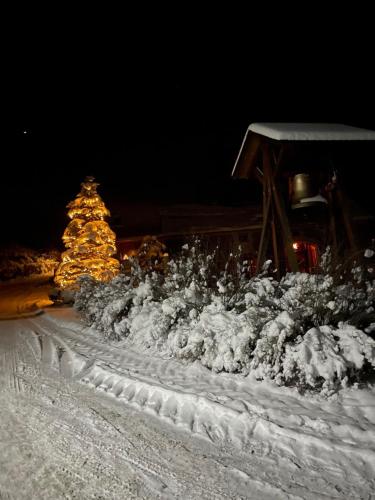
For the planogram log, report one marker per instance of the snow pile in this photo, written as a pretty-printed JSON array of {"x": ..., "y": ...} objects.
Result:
[
  {"x": 326, "y": 356},
  {"x": 312, "y": 331},
  {"x": 18, "y": 262}
]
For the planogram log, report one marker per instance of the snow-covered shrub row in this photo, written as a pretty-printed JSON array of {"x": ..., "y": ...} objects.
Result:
[
  {"x": 306, "y": 330},
  {"x": 22, "y": 262},
  {"x": 178, "y": 294}
]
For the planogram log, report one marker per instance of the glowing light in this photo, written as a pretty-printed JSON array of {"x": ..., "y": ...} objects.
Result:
[
  {"x": 295, "y": 246},
  {"x": 89, "y": 240}
]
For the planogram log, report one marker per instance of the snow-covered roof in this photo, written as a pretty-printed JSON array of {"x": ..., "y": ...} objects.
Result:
[
  {"x": 251, "y": 143},
  {"x": 312, "y": 132}
]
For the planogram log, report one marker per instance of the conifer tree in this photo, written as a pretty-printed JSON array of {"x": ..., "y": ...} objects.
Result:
[{"x": 88, "y": 238}]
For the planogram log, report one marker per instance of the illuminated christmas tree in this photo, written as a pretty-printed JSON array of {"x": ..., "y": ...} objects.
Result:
[{"x": 88, "y": 238}]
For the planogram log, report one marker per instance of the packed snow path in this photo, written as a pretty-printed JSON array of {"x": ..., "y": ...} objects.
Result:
[
  {"x": 61, "y": 439},
  {"x": 23, "y": 297},
  {"x": 83, "y": 419}
]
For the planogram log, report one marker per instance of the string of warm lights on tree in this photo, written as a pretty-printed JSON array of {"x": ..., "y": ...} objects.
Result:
[{"x": 90, "y": 242}]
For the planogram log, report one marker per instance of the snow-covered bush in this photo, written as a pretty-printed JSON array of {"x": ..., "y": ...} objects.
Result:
[
  {"x": 179, "y": 293},
  {"x": 221, "y": 339},
  {"x": 152, "y": 254},
  {"x": 18, "y": 262},
  {"x": 313, "y": 331},
  {"x": 105, "y": 305},
  {"x": 328, "y": 358}
]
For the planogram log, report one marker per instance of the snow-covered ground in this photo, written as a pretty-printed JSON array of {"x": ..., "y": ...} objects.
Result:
[
  {"x": 80, "y": 418},
  {"x": 24, "y": 296}
]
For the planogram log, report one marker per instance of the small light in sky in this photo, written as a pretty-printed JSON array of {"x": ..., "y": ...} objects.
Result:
[{"x": 25, "y": 131}]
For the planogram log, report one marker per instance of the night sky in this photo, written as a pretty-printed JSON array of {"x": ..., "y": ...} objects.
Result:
[{"x": 158, "y": 125}]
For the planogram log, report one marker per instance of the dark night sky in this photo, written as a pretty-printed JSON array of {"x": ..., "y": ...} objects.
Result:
[{"x": 162, "y": 123}]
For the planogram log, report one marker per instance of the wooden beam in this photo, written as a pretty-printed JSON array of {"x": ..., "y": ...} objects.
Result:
[
  {"x": 258, "y": 175},
  {"x": 280, "y": 210},
  {"x": 274, "y": 245},
  {"x": 285, "y": 228},
  {"x": 247, "y": 158},
  {"x": 263, "y": 237},
  {"x": 267, "y": 196}
]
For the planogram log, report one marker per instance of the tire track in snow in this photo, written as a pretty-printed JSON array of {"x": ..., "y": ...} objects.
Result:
[
  {"x": 177, "y": 405},
  {"x": 100, "y": 458},
  {"x": 10, "y": 358},
  {"x": 218, "y": 409},
  {"x": 77, "y": 449}
]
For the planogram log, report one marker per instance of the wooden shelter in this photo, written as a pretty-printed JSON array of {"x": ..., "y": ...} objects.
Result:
[{"x": 270, "y": 153}]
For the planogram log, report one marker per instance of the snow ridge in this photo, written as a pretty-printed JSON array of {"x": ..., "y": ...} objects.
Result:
[{"x": 222, "y": 408}]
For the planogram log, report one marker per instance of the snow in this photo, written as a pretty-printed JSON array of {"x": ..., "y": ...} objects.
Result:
[
  {"x": 240, "y": 325},
  {"x": 79, "y": 416},
  {"x": 18, "y": 262},
  {"x": 312, "y": 132},
  {"x": 318, "y": 198},
  {"x": 317, "y": 356},
  {"x": 24, "y": 296}
]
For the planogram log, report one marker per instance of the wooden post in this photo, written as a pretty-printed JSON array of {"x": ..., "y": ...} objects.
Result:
[
  {"x": 272, "y": 202},
  {"x": 285, "y": 228},
  {"x": 280, "y": 210},
  {"x": 266, "y": 210},
  {"x": 274, "y": 245}
]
